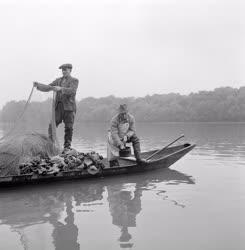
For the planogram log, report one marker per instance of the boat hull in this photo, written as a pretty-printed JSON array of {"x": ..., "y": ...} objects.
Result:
[{"x": 127, "y": 166}]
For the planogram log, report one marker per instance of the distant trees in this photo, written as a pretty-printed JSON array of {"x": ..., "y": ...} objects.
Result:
[
  {"x": 222, "y": 104},
  {"x": 36, "y": 113}
]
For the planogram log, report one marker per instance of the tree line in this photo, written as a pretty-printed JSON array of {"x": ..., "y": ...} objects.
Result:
[{"x": 221, "y": 104}]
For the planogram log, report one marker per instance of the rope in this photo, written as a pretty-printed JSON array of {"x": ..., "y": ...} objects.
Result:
[
  {"x": 53, "y": 123},
  {"x": 20, "y": 116}
]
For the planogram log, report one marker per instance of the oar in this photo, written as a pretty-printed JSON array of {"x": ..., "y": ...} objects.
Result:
[{"x": 161, "y": 150}]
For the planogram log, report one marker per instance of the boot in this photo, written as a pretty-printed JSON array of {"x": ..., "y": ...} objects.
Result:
[
  {"x": 68, "y": 137},
  {"x": 137, "y": 152}
]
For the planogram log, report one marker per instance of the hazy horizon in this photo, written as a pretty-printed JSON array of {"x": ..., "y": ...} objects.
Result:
[
  {"x": 41, "y": 97},
  {"x": 222, "y": 104},
  {"x": 122, "y": 48}
]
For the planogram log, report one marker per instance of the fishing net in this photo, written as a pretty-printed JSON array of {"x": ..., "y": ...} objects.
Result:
[{"x": 26, "y": 131}]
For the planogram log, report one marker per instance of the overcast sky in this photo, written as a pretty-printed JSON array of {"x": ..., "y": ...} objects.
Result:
[{"x": 120, "y": 47}]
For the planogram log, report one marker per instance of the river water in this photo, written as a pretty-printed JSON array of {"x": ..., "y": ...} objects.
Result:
[{"x": 197, "y": 204}]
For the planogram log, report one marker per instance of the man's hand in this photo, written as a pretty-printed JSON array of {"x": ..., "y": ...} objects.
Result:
[
  {"x": 122, "y": 146},
  {"x": 57, "y": 88},
  {"x": 125, "y": 139}
]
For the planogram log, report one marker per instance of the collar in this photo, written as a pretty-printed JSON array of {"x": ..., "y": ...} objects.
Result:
[
  {"x": 122, "y": 119},
  {"x": 66, "y": 77}
]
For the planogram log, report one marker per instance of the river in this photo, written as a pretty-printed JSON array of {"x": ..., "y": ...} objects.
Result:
[{"x": 197, "y": 204}]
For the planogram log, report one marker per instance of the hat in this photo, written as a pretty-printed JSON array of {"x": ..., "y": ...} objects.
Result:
[
  {"x": 123, "y": 108},
  {"x": 65, "y": 66}
]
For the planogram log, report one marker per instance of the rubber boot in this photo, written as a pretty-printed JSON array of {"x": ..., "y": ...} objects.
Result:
[
  {"x": 68, "y": 137},
  {"x": 137, "y": 152}
]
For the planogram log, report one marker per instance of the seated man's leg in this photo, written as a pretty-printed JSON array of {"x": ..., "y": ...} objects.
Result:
[
  {"x": 136, "y": 145},
  {"x": 69, "y": 121},
  {"x": 112, "y": 152}
]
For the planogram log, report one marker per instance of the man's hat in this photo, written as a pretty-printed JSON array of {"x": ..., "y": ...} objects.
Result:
[
  {"x": 123, "y": 108},
  {"x": 66, "y": 66}
]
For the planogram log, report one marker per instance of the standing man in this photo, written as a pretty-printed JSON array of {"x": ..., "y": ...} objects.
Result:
[{"x": 65, "y": 103}]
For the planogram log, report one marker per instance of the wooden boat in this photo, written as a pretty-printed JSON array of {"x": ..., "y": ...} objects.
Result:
[{"x": 162, "y": 158}]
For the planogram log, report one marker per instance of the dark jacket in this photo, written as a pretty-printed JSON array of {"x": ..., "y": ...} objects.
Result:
[{"x": 67, "y": 95}]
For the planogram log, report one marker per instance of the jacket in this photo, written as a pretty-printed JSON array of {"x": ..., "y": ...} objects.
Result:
[
  {"x": 67, "y": 95},
  {"x": 116, "y": 133}
]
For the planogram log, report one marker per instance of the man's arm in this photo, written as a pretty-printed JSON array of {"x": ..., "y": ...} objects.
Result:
[
  {"x": 43, "y": 87},
  {"x": 71, "y": 90},
  {"x": 114, "y": 132},
  {"x": 46, "y": 88},
  {"x": 55, "y": 83}
]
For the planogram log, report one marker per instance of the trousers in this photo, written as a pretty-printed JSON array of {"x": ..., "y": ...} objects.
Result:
[
  {"x": 68, "y": 118},
  {"x": 136, "y": 146}
]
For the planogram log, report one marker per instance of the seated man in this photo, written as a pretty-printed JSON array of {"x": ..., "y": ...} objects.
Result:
[{"x": 122, "y": 130}]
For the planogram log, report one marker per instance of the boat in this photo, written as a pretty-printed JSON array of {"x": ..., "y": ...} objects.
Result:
[{"x": 156, "y": 159}]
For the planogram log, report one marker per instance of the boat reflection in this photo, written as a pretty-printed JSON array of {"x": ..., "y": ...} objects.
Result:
[
  {"x": 34, "y": 205},
  {"x": 20, "y": 208}
]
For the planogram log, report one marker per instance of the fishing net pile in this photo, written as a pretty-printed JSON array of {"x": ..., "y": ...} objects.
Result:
[
  {"x": 67, "y": 161},
  {"x": 25, "y": 140},
  {"x": 17, "y": 150}
]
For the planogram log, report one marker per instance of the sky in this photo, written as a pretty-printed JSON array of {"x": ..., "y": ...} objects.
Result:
[{"x": 122, "y": 47}]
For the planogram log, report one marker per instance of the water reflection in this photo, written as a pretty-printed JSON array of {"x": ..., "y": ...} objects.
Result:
[
  {"x": 65, "y": 236},
  {"x": 125, "y": 199},
  {"x": 114, "y": 212},
  {"x": 124, "y": 206},
  {"x": 46, "y": 204},
  {"x": 57, "y": 205}
]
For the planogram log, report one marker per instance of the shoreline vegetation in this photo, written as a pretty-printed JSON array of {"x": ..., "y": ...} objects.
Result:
[{"x": 223, "y": 104}]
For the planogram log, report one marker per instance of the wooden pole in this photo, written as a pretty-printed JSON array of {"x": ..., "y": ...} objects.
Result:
[{"x": 161, "y": 150}]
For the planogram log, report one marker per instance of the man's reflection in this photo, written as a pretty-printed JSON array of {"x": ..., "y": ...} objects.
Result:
[
  {"x": 124, "y": 206},
  {"x": 65, "y": 235},
  {"x": 125, "y": 201}
]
